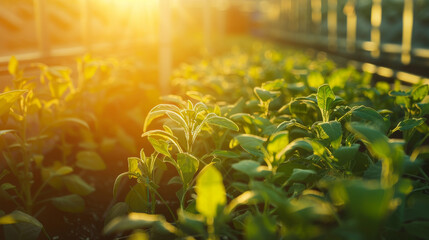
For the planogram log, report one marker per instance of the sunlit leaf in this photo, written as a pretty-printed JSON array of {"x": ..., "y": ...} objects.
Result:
[
  {"x": 90, "y": 160},
  {"x": 7, "y": 99},
  {"x": 133, "y": 167},
  {"x": 139, "y": 220},
  {"x": 210, "y": 192},
  {"x": 265, "y": 95},
  {"x": 158, "y": 111},
  {"x": 251, "y": 168},
  {"x": 19, "y": 217},
  {"x": 325, "y": 98},
  {"x": 222, "y": 122},
  {"x": 160, "y": 146},
  {"x": 419, "y": 93},
  {"x": 251, "y": 143}
]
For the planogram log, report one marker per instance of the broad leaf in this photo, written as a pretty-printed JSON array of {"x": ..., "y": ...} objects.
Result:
[
  {"x": 158, "y": 111},
  {"x": 138, "y": 198},
  {"x": 277, "y": 142},
  {"x": 222, "y": 122},
  {"x": 139, "y": 220},
  {"x": 265, "y": 95},
  {"x": 210, "y": 192},
  {"x": 90, "y": 160},
  {"x": 75, "y": 184},
  {"x": 419, "y": 93},
  {"x": 301, "y": 175},
  {"x": 7, "y": 99},
  {"x": 251, "y": 168},
  {"x": 251, "y": 143},
  {"x": 325, "y": 98},
  {"x": 409, "y": 124},
  {"x": 71, "y": 203},
  {"x": 330, "y": 130},
  {"x": 188, "y": 165},
  {"x": 160, "y": 146},
  {"x": 133, "y": 167}
]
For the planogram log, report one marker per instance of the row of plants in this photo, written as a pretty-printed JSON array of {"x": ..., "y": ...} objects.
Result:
[
  {"x": 268, "y": 143},
  {"x": 56, "y": 127}
]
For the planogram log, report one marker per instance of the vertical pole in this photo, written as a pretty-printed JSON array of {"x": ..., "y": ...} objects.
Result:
[
  {"x": 86, "y": 24},
  {"x": 375, "y": 31},
  {"x": 207, "y": 25},
  {"x": 332, "y": 24},
  {"x": 407, "y": 31},
  {"x": 164, "y": 46},
  {"x": 41, "y": 27},
  {"x": 316, "y": 15},
  {"x": 350, "y": 12}
]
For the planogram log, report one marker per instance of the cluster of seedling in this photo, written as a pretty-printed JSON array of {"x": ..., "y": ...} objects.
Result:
[{"x": 277, "y": 146}]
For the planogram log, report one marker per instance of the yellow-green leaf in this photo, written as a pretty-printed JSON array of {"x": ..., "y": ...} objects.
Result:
[
  {"x": 210, "y": 192},
  {"x": 90, "y": 160}
]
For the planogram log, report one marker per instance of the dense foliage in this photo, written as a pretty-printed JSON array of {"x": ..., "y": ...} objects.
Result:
[
  {"x": 55, "y": 127},
  {"x": 276, "y": 144}
]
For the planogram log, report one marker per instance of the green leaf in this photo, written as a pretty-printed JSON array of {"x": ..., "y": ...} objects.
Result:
[
  {"x": 295, "y": 145},
  {"x": 20, "y": 226},
  {"x": 137, "y": 198},
  {"x": 90, "y": 160},
  {"x": 225, "y": 153},
  {"x": 274, "y": 84},
  {"x": 399, "y": 94},
  {"x": 118, "y": 181},
  {"x": 367, "y": 202},
  {"x": 63, "y": 121},
  {"x": 251, "y": 168},
  {"x": 19, "y": 217},
  {"x": 260, "y": 227},
  {"x": 251, "y": 143},
  {"x": 188, "y": 165},
  {"x": 160, "y": 146},
  {"x": 277, "y": 142},
  {"x": 346, "y": 155},
  {"x": 409, "y": 124},
  {"x": 118, "y": 210},
  {"x": 419, "y": 229},
  {"x": 159, "y": 111},
  {"x": 223, "y": 122},
  {"x": 133, "y": 167},
  {"x": 301, "y": 175},
  {"x": 70, "y": 203},
  {"x": 265, "y": 95},
  {"x": 210, "y": 192},
  {"x": 423, "y": 108},
  {"x": 75, "y": 184},
  {"x": 376, "y": 141},
  {"x": 138, "y": 220},
  {"x": 419, "y": 93},
  {"x": 325, "y": 98},
  {"x": 330, "y": 130},
  {"x": 64, "y": 170},
  {"x": 370, "y": 117},
  {"x": 7, "y": 99}
]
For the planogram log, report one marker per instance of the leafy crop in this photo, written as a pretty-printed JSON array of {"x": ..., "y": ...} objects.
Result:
[
  {"x": 315, "y": 153},
  {"x": 49, "y": 138}
]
